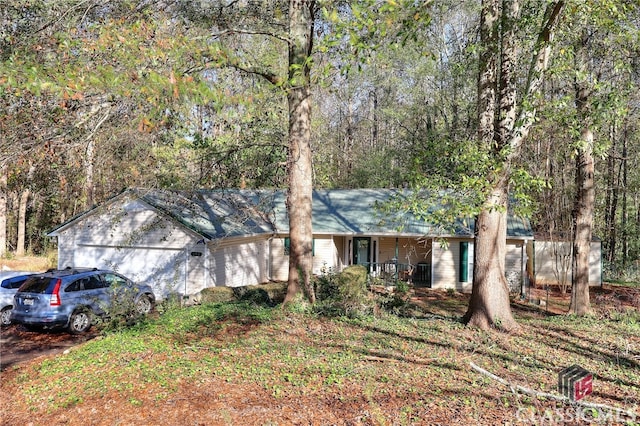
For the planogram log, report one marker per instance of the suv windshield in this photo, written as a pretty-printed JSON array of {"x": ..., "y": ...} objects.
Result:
[{"x": 36, "y": 285}]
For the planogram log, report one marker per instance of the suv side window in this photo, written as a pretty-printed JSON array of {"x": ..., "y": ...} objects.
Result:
[
  {"x": 113, "y": 280},
  {"x": 93, "y": 282},
  {"x": 77, "y": 285}
]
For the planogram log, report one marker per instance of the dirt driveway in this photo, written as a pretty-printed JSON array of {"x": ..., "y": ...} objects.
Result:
[{"x": 18, "y": 345}]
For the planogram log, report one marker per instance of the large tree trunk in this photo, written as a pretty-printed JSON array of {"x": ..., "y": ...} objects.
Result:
[
  {"x": 299, "y": 166},
  {"x": 490, "y": 305},
  {"x": 501, "y": 133},
  {"x": 585, "y": 191},
  {"x": 583, "y": 224}
]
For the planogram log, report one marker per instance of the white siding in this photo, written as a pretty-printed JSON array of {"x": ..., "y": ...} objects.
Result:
[
  {"x": 445, "y": 265},
  {"x": 164, "y": 270},
  {"x": 136, "y": 241},
  {"x": 325, "y": 255},
  {"x": 553, "y": 263},
  {"x": 130, "y": 224},
  {"x": 514, "y": 266},
  {"x": 239, "y": 264},
  {"x": 279, "y": 260}
]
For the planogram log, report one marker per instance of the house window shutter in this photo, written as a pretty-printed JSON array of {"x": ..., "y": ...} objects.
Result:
[{"x": 464, "y": 261}]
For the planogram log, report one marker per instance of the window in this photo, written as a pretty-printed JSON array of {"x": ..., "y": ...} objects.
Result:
[
  {"x": 465, "y": 267},
  {"x": 112, "y": 280},
  {"x": 93, "y": 282},
  {"x": 77, "y": 285}
]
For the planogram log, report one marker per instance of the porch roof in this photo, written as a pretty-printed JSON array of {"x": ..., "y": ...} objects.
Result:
[{"x": 357, "y": 212}]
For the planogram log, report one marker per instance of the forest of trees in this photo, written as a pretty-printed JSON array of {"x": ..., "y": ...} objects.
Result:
[{"x": 100, "y": 95}]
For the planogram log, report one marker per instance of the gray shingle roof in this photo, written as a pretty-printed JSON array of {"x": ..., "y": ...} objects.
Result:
[{"x": 218, "y": 214}]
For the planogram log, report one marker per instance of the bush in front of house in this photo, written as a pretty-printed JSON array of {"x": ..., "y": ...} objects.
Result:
[
  {"x": 344, "y": 293},
  {"x": 269, "y": 294}
]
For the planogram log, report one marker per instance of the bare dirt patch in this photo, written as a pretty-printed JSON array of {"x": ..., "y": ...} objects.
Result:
[{"x": 18, "y": 344}]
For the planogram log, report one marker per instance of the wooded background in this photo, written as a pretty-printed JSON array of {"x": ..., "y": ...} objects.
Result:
[{"x": 98, "y": 96}]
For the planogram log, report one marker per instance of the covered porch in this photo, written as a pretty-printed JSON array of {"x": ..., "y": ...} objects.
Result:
[{"x": 391, "y": 258}]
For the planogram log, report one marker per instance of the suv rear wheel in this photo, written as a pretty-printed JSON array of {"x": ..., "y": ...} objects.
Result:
[
  {"x": 5, "y": 316},
  {"x": 80, "y": 321}
]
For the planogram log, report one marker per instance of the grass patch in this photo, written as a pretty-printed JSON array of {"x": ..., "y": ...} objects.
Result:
[
  {"x": 29, "y": 263},
  {"x": 382, "y": 369}
]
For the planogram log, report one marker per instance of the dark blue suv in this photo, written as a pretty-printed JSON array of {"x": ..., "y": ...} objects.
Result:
[{"x": 74, "y": 297}]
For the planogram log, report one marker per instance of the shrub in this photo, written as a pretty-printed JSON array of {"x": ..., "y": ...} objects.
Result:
[
  {"x": 218, "y": 294},
  {"x": 263, "y": 294},
  {"x": 344, "y": 293}
]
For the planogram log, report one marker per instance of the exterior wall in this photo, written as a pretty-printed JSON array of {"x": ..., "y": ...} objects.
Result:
[
  {"x": 514, "y": 265},
  {"x": 138, "y": 242},
  {"x": 163, "y": 270},
  {"x": 341, "y": 248},
  {"x": 239, "y": 263},
  {"x": 134, "y": 240},
  {"x": 130, "y": 224},
  {"x": 446, "y": 265},
  {"x": 279, "y": 260},
  {"x": 327, "y": 256},
  {"x": 446, "y": 258},
  {"x": 552, "y": 263}
]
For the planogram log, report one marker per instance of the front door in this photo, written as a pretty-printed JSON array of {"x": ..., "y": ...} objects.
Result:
[{"x": 361, "y": 251}]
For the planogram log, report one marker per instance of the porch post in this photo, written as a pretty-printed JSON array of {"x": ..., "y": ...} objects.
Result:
[{"x": 397, "y": 254}]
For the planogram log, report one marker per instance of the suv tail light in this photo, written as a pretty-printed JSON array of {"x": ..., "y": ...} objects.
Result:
[{"x": 55, "y": 294}]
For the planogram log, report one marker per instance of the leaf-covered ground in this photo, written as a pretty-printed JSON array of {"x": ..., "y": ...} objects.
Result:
[{"x": 237, "y": 364}]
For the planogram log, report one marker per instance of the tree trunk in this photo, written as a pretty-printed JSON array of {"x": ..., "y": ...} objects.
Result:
[
  {"x": 583, "y": 224},
  {"x": 299, "y": 166},
  {"x": 501, "y": 132},
  {"x": 624, "y": 218},
  {"x": 490, "y": 305},
  {"x": 610, "y": 210},
  {"x": 3, "y": 210},
  {"x": 89, "y": 163},
  {"x": 22, "y": 221},
  {"x": 585, "y": 191}
]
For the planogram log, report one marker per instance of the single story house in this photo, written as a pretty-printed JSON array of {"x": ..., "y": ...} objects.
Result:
[{"x": 184, "y": 241}]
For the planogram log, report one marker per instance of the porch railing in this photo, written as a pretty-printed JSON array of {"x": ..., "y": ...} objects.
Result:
[{"x": 389, "y": 272}]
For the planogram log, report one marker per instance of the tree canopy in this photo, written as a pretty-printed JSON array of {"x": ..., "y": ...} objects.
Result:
[{"x": 99, "y": 96}]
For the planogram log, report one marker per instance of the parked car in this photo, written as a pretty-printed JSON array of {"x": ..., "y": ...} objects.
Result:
[
  {"x": 9, "y": 283},
  {"x": 73, "y": 298}
]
